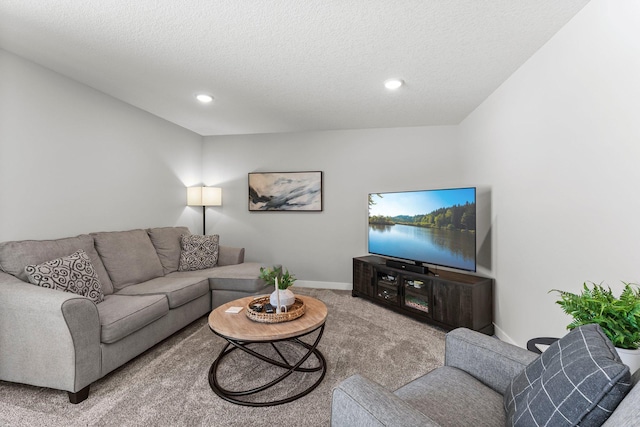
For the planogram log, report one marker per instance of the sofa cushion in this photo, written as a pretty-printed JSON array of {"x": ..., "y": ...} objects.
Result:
[
  {"x": 228, "y": 255},
  {"x": 452, "y": 397},
  {"x": 579, "y": 379},
  {"x": 15, "y": 256},
  {"x": 121, "y": 315},
  {"x": 240, "y": 277},
  {"x": 73, "y": 273},
  {"x": 198, "y": 252},
  {"x": 243, "y": 277},
  {"x": 128, "y": 256},
  {"x": 178, "y": 290},
  {"x": 166, "y": 240}
]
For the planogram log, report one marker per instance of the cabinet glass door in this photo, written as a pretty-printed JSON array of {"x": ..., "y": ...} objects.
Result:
[
  {"x": 417, "y": 295},
  {"x": 387, "y": 287}
]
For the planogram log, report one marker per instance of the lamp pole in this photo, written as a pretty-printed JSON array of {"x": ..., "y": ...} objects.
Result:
[{"x": 204, "y": 220}]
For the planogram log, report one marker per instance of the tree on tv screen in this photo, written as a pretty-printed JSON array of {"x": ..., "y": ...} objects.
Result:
[{"x": 456, "y": 217}]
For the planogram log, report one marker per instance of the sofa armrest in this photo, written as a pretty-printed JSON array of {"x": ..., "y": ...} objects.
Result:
[
  {"x": 48, "y": 338},
  {"x": 358, "y": 401},
  {"x": 228, "y": 255},
  {"x": 486, "y": 358}
]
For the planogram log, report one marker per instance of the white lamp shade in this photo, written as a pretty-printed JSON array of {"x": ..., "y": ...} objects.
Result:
[
  {"x": 194, "y": 196},
  {"x": 211, "y": 196},
  {"x": 204, "y": 196}
]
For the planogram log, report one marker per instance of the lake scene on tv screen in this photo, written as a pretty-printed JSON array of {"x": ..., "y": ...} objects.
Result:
[{"x": 432, "y": 226}]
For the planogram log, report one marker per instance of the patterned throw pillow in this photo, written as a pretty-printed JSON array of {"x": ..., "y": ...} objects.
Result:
[
  {"x": 73, "y": 273},
  {"x": 577, "y": 380},
  {"x": 198, "y": 252}
]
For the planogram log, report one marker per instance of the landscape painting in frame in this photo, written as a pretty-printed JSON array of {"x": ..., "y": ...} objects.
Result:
[{"x": 285, "y": 191}]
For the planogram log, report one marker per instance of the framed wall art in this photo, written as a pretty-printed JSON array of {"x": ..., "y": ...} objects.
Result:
[{"x": 285, "y": 191}]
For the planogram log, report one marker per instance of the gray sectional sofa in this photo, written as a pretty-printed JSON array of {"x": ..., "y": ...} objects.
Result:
[{"x": 65, "y": 341}]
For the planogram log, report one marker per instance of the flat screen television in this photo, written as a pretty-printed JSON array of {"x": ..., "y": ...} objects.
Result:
[{"x": 436, "y": 227}]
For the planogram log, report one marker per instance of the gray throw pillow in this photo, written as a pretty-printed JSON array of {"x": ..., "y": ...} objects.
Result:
[
  {"x": 198, "y": 252},
  {"x": 73, "y": 273},
  {"x": 579, "y": 379}
]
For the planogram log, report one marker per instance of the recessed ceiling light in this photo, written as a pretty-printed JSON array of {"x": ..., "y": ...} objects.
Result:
[
  {"x": 393, "y": 84},
  {"x": 204, "y": 98}
]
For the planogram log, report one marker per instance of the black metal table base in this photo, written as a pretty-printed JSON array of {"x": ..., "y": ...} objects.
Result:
[{"x": 287, "y": 367}]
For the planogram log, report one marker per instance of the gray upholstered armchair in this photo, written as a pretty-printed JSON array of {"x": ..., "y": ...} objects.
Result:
[{"x": 483, "y": 375}]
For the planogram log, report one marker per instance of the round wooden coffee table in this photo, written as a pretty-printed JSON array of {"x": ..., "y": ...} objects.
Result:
[{"x": 240, "y": 332}]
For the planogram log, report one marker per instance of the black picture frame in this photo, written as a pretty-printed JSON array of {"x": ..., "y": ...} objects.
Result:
[{"x": 285, "y": 191}]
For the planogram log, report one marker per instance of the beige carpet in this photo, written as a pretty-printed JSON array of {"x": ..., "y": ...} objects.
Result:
[{"x": 168, "y": 385}]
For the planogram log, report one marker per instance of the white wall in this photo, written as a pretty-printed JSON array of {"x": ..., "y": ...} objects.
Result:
[
  {"x": 319, "y": 247},
  {"x": 74, "y": 160},
  {"x": 560, "y": 144}
]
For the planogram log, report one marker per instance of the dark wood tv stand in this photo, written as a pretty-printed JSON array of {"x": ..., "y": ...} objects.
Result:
[{"x": 448, "y": 299}]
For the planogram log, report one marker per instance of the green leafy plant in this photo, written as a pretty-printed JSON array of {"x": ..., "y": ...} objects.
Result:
[
  {"x": 619, "y": 318},
  {"x": 269, "y": 275}
]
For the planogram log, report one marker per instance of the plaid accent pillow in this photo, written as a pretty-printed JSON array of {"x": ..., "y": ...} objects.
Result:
[
  {"x": 579, "y": 379},
  {"x": 73, "y": 273},
  {"x": 198, "y": 252}
]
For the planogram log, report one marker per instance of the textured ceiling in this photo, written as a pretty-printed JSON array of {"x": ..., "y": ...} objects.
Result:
[{"x": 287, "y": 65}]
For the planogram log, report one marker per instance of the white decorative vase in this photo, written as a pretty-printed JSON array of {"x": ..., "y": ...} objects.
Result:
[
  {"x": 287, "y": 298},
  {"x": 631, "y": 358}
]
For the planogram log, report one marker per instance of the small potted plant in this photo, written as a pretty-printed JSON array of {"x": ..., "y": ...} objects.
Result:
[
  {"x": 619, "y": 318},
  {"x": 282, "y": 296}
]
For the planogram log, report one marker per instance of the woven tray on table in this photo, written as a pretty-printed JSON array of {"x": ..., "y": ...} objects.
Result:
[{"x": 296, "y": 310}]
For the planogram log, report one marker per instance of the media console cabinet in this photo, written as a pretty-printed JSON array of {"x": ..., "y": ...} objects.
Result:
[{"x": 448, "y": 299}]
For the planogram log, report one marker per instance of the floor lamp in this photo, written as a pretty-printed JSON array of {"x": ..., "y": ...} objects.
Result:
[{"x": 204, "y": 196}]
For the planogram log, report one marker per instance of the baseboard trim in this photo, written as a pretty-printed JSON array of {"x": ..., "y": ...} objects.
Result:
[
  {"x": 502, "y": 335},
  {"x": 323, "y": 285}
]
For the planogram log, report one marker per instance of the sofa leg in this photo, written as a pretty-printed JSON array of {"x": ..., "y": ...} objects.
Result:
[{"x": 79, "y": 396}]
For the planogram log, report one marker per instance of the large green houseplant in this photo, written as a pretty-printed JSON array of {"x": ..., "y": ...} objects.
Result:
[{"x": 619, "y": 318}]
